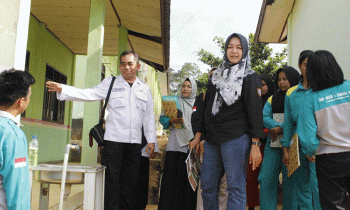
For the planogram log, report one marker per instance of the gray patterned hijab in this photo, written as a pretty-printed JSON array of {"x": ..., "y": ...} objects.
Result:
[{"x": 228, "y": 77}]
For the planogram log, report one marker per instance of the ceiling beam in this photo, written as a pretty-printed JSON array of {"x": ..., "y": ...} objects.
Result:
[
  {"x": 144, "y": 36},
  {"x": 260, "y": 22},
  {"x": 115, "y": 12},
  {"x": 165, "y": 24},
  {"x": 154, "y": 65}
]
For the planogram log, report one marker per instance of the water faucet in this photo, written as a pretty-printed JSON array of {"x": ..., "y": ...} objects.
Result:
[
  {"x": 64, "y": 172},
  {"x": 72, "y": 146}
]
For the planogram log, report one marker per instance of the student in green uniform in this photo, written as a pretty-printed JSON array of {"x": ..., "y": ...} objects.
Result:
[
  {"x": 324, "y": 131},
  {"x": 15, "y": 91},
  {"x": 272, "y": 163},
  {"x": 304, "y": 178}
]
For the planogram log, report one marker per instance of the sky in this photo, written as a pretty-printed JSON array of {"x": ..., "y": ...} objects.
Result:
[{"x": 195, "y": 23}]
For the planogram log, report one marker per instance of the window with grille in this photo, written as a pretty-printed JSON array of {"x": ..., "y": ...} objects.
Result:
[{"x": 53, "y": 109}]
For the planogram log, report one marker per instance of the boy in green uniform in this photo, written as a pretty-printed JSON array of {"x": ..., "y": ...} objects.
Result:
[{"x": 15, "y": 91}]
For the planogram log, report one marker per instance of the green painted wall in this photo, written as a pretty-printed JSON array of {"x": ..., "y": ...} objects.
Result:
[
  {"x": 79, "y": 82},
  {"x": 93, "y": 76},
  {"x": 150, "y": 76},
  {"x": 111, "y": 64},
  {"x": 51, "y": 140},
  {"x": 111, "y": 67},
  {"x": 45, "y": 49},
  {"x": 122, "y": 42}
]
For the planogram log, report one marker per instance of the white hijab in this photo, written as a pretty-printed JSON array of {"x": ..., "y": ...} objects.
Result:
[{"x": 185, "y": 134}]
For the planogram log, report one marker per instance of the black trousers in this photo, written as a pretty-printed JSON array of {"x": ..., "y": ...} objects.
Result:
[
  {"x": 333, "y": 174},
  {"x": 141, "y": 190},
  {"x": 122, "y": 161}
]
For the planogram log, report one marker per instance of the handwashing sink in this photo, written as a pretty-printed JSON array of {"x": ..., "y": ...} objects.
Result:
[
  {"x": 52, "y": 173},
  {"x": 91, "y": 176}
]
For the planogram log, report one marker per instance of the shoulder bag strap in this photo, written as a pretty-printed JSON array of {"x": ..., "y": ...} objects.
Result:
[{"x": 106, "y": 102}]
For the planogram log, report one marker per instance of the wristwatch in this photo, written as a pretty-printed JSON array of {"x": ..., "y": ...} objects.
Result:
[{"x": 258, "y": 143}]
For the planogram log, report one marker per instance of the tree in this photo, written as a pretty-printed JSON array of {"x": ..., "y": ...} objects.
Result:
[
  {"x": 259, "y": 54},
  {"x": 261, "y": 57},
  {"x": 274, "y": 63},
  {"x": 210, "y": 59},
  {"x": 202, "y": 82},
  {"x": 188, "y": 70}
]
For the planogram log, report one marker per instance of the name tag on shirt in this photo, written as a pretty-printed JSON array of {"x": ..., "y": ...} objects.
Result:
[
  {"x": 117, "y": 89},
  {"x": 20, "y": 162}
]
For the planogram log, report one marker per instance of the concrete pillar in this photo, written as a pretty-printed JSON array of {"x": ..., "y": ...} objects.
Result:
[
  {"x": 93, "y": 76},
  {"x": 122, "y": 42},
  {"x": 289, "y": 42},
  {"x": 14, "y": 16}
]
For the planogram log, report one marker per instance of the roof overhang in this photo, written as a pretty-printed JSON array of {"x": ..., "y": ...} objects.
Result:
[
  {"x": 272, "y": 24},
  {"x": 147, "y": 21}
]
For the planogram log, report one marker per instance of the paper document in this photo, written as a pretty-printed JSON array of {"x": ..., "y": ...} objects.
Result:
[
  {"x": 293, "y": 154},
  {"x": 278, "y": 117},
  {"x": 193, "y": 166}
]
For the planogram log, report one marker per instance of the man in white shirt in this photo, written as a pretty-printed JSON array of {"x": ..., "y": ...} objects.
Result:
[{"x": 130, "y": 108}]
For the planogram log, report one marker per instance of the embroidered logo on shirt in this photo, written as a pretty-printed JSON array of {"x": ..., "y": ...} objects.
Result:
[
  {"x": 20, "y": 162},
  {"x": 335, "y": 97},
  {"x": 194, "y": 109},
  {"x": 117, "y": 89}
]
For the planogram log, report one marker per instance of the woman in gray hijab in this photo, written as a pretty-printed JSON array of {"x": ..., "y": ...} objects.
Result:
[
  {"x": 176, "y": 192},
  {"x": 233, "y": 124}
]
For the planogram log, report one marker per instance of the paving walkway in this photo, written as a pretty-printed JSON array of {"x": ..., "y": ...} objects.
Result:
[{"x": 77, "y": 190}]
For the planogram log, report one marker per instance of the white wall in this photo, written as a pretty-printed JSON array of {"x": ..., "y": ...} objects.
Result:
[
  {"x": 320, "y": 25},
  {"x": 13, "y": 33}
]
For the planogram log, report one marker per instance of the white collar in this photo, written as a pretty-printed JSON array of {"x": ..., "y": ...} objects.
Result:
[{"x": 11, "y": 117}]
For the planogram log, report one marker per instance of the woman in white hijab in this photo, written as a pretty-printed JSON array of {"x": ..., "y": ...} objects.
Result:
[{"x": 176, "y": 192}]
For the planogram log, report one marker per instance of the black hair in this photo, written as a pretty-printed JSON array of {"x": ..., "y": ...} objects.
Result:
[
  {"x": 303, "y": 55},
  {"x": 271, "y": 88},
  {"x": 14, "y": 84},
  {"x": 323, "y": 71},
  {"x": 127, "y": 52},
  {"x": 292, "y": 75}
]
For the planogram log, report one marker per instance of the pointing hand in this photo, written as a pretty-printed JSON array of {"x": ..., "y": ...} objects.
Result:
[{"x": 54, "y": 87}]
